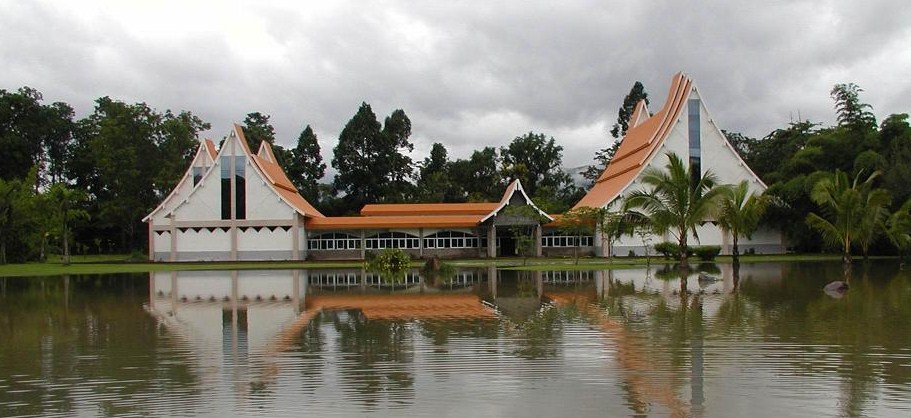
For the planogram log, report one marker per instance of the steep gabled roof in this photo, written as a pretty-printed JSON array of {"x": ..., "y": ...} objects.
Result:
[
  {"x": 276, "y": 178},
  {"x": 642, "y": 139},
  {"x": 210, "y": 147},
  {"x": 511, "y": 190},
  {"x": 203, "y": 152},
  {"x": 400, "y": 209}
]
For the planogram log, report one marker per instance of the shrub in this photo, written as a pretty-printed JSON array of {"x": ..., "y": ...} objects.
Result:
[
  {"x": 670, "y": 250},
  {"x": 707, "y": 252},
  {"x": 391, "y": 263},
  {"x": 667, "y": 249}
]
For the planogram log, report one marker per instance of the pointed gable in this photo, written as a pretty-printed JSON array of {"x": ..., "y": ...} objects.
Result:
[
  {"x": 638, "y": 146},
  {"x": 202, "y": 162},
  {"x": 649, "y": 134},
  {"x": 640, "y": 114},
  {"x": 511, "y": 190},
  {"x": 277, "y": 178}
]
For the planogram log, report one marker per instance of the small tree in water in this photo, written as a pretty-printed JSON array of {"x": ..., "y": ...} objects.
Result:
[{"x": 391, "y": 264}]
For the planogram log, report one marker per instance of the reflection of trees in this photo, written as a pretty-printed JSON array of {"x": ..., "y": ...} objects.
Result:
[
  {"x": 368, "y": 349},
  {"x": 440, "y": 332},
  {"x": 540, "y": 334},
  {"x": 864, "y": 324},
  {"x": 87, "y": 329}
]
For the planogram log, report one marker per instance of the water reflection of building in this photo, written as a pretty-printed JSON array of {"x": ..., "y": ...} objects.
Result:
[{"x": 231, "y": 312}]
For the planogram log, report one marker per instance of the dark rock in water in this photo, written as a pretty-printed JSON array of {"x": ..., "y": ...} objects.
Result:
[{"x": 836, "y": 289}]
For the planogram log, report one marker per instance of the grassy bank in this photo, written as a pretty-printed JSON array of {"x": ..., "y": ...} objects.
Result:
[{"x": 108, "y": 264}]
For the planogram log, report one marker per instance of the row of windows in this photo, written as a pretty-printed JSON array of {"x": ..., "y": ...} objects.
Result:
[
  {"x": 566, "y": 241},
  {"x": 445, "y": 239}
]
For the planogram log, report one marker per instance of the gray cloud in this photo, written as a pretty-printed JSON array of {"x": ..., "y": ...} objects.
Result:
[{"x": 469, "y": 74}]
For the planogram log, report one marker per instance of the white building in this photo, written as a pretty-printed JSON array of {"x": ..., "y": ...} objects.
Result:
[
  {"x": 684, "y": 127},
  {"x": 231, "y": 205}
]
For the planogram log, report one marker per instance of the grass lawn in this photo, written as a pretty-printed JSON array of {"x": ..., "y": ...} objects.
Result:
[{"x": 106, "y": 264}]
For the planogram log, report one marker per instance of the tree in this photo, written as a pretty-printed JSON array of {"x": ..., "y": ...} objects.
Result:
[
  {"x": 677, "y": 201},
  {"x": 65, "y": 204},
  {"x": 305, "y": 167},
  {"x": 537, "y": 161},
  {"x": 258, "y": 129},
  {"x": 636, "y": 94},
  {"x": 434, "y": 181},
  {"x": 898, "y": 228},
  {"x": 578, "y": 222},
  {"x": 853, "y": 209},
  {"x": 604, "y": 156},
  {"x": 370, "y": 163},
  {"x": 33, "y": 134},
  {"x": 850, "y": 112},
  {"x": 739, "y": 214},
  {"x": 479, "y": 177},
  {"x": 118, "y": 144}
]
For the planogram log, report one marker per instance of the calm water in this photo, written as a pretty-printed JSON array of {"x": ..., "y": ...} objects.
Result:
[{"x": 481, "y": 343}]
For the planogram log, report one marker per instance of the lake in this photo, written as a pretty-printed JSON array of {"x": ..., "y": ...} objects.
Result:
[{"x": 765, "y": 340}]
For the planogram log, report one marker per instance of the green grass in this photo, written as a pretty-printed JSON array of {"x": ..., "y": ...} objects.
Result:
[{"x": 109, "y": 264}]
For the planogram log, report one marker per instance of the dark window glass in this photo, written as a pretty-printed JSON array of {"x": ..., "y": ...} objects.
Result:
[
  {"x": 695, "y": 138},
  {"x": 197, "y": 175}
]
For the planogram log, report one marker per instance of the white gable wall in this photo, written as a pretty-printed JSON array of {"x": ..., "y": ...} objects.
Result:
[
  {"x": 183, "y": 188},
  {"x": 718, "y": 156}
]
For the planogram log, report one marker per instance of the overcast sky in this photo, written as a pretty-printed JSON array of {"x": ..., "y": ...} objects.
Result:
[{"x": 468, "y": 74}]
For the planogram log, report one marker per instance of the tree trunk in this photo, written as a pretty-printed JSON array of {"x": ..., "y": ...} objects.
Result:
[
  {"x": 682, "y": 252},
  {"x": 66, "y": 245},
  {"x": 735, "y": 251}
]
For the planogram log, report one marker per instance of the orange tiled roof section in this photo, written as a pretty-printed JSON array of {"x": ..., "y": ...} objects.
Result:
[
  {"x": 403, "y": 221},
  {"x": 406, "y": 306},
  {"x": 638, "y": 146},
  {"x": 277, "y": 179},
  {"x": 210, "y": 147},
  {"x": 436, "y": 209}
]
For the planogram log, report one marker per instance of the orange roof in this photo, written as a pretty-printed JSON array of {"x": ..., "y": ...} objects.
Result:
[
  {"x": 406, "y": 306},
  {"x": 277, "y": 179},
  {"x": 404, "y": 221},
  {"x": 642, "y": 139},
  {"x": 403, "y": 209},
  {"x": 210, "y": 147}
]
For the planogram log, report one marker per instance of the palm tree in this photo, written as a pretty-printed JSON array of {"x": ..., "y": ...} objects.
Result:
[
  {"x": 679, "y": 200},
  {"x": 856, "y": 212},
  {"x": 739, "y": 214},
  {"x": 898, "y": 228}
]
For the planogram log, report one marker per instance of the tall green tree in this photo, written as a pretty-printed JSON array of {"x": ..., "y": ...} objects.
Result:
[
  {"x": 537, "y": 161},
  {"x": 677, "y": 200},
  {"x": 479, "y": 177},
  {"x": 119, "y": 143},
  {"x": 258, "y": 129},
  {"x": 636, "y": 94},
  {"x": 305, "y": 167},
  {"x": 33, "y": 134},
  {"x": 739, "y": 214},
  {"x": 604, "y": 156},
  {"x": 19, "y": 213},
  {"x": 66, "y": 206},
  {"x": 370, "y": 159},
  {"x": 850, "y": 111},
  {"x": 434, "y": 182},
  {"x": 852, "y": 210}
]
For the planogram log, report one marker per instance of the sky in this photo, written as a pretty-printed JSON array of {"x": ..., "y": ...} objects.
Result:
[{"x": 469, "y": 74}]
